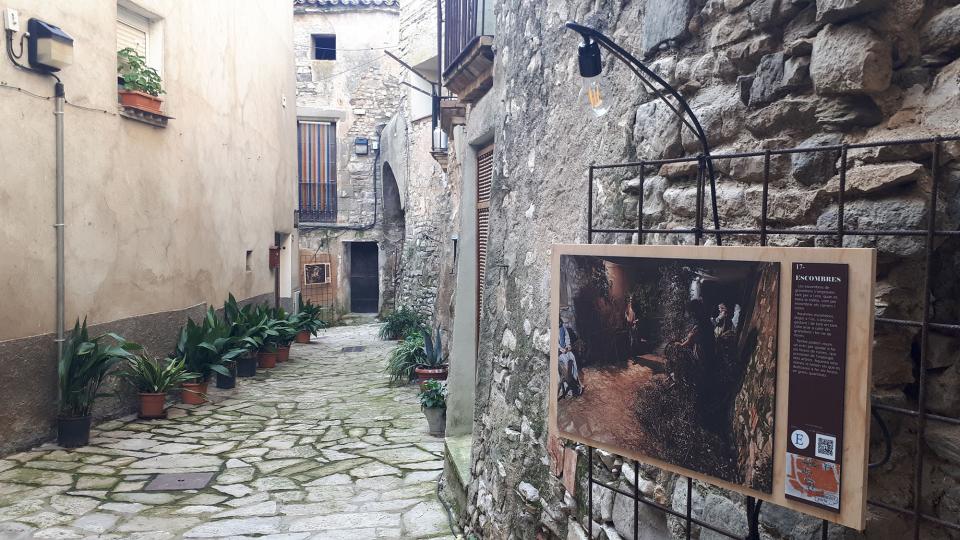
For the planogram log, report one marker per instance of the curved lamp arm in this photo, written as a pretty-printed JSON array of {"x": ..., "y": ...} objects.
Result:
[{"x": 643, "y": 72}]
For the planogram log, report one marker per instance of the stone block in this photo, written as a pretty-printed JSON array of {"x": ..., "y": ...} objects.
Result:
[
  {"x": 941, "y": 34},
  {"x": 944, "y": 440},
  {"x": 850, "y": 59},
  {"x": 892, "y": 365},
  {"x": 664, "y": 21},
  {"x": 843, "y": 113},
  {"x": 833, "y": 11},
  {"x": 777, "y": 76},
  {"x": 876, "y": 179},
  {"x": 788, "y": 113},
  {"x": 653, "y": 522},
  {"x": 657, "y": 131},
  {"x": 770, "y": 14},
  {"x": 746, "y": 56},
  {"x": 815, "y": 167},
  {"x": 942, "y": 395}
]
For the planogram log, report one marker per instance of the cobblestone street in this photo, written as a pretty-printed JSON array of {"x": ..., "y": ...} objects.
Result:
[{"x": 319, "y": 447}]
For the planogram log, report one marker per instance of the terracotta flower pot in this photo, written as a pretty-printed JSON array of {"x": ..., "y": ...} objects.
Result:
[
  {"x": 436, "y": 419},
  {"x": 426, "y": 374},
  {"x": 283, "y": 353},
  {"x": 267, "y": 359},
  {"x": 140, "y": 100},
  {"x": 73, "y": 431},
  {"x": 303, "y": 336},
  {"x": 152, "y": 405},
  {"x": 194, "y": 393}
]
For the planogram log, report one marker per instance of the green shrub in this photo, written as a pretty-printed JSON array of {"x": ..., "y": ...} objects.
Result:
[
  {"x": 402, "y": 322},
  {"x": 153, "y": 376},
  {"x": 84, "y": 365},
  {"x": 405, "y": 358}
]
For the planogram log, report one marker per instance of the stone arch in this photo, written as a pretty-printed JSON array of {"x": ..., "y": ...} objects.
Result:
[{"x": 394, "y": 232}]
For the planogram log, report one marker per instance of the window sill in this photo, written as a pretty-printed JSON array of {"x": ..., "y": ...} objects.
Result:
[{"x": 143, "y": 115}]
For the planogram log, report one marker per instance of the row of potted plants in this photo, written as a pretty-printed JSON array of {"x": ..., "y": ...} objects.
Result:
[
  {"x": 420, "y": 356},
  {"x": 227, "y": 346}
]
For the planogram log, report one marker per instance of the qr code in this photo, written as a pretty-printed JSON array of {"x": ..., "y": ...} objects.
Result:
[{"x": 826, "y": 447}]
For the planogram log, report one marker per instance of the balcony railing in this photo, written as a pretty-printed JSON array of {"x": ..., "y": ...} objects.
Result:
[
  {"x": 464, "y": 22},
  {"x": 318, "y": 202}
]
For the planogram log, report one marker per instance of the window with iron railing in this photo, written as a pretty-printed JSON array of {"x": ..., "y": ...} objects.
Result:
[
  {"x": 465, "y": 21},
  {"x": 317, "y": 158}
]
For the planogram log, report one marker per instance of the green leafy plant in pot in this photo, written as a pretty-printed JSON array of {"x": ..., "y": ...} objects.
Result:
[
  {"x": 405, "y": 358},
  {"x": 205, "y": 348},
  {"x": 245, "y": 328},
  {"x": 153, "y": 378},
  {"x": 286, "y": 328},
  {"x": 434, "y": 364},
  {"x": 433, "y": 403},
  {"x": 401, "y": 323},
  {"x": 308, "y": 321},
  {"x": 83, "y": 367},
  {"x": 140, "y": 84}
]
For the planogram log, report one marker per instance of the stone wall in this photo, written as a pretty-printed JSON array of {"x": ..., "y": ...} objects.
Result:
[{"x": 759, "y": 74}]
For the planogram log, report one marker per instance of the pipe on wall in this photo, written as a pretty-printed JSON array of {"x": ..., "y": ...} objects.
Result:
[{"x": 59, "y": 225}]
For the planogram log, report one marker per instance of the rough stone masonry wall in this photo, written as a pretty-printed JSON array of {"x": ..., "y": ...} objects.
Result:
[
  {"x": 426, "y": 281},
  {"x": 760, "y": 74}
]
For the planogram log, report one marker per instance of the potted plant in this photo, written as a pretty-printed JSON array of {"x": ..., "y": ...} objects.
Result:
[
  {"x": 205, "y": 348},
  {"x": 140, "y": 83},
  {"x": 153, "y": 378},
  {"x": 286, "y": 327},
  {"x": 405, "y": 358},
  {"x": 269, "y": 337},
  {"x": 401, "y": 323},
  {"x": 245, "y": 328},
  {"x": 434, "y": 364},
  {"x": 81, "y": 370},
  {"x": 308, "y": 321},
  {"x": 433, "y": 403}
]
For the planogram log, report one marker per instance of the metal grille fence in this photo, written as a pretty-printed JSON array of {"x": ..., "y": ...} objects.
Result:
[{"x": 930, "y": 234}]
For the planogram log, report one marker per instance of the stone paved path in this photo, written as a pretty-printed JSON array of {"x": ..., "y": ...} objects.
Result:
[{"x": 319, "y": 447}]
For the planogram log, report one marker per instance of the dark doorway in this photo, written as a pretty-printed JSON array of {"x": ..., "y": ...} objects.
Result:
[{"x": 364, "y": 277}]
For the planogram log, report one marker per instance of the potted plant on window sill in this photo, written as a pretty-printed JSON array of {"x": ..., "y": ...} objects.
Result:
[
  {"x": 153, "y": 379},
  {"x": 83, "y": 366},
  {"x": 434, "y": 365},
  {"x": 140, "y": 84},
  {"x": 433, "y": 402}
]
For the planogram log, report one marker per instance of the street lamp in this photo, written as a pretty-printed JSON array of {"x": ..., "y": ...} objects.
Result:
[{"x": 593, "y": 98}]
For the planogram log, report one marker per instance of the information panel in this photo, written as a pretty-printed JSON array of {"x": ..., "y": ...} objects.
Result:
[
  {"x": 818, "y": 357},
  {"x": 744, "y": 367}
]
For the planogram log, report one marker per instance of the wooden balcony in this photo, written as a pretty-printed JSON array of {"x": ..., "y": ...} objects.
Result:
[{"x": 468, "y": 48}]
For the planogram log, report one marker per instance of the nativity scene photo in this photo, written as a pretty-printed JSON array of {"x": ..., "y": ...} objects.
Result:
[{"x": 672, "y": 359}]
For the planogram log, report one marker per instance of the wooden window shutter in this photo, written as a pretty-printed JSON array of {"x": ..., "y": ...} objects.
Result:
[{"x": 484, "y": 179}]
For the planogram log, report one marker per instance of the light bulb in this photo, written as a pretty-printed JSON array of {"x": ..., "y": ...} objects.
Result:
[{"x": 592, "y": 95}]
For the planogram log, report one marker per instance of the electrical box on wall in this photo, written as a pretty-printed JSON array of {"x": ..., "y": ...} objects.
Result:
[
  {"x": 11, "y": 20},
  {"x": 274, "y": 257}
]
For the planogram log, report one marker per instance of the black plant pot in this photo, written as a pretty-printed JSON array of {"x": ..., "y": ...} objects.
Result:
[
  {"x": 246, "y": 366},
  {"x": 228, "y": 382},
  {"x": 73, "y": 432}
]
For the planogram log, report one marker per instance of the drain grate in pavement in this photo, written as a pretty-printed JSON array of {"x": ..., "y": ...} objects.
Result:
[
  {"x": 357, "y": 348},
  {"x": 175, "y": 482}
]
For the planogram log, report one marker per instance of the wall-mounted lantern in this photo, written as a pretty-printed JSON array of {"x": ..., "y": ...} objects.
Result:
[
  {"x": 440, "y": 141},
  {"x": 361, "y": 146},
  {"x": 48, "y": 47}
]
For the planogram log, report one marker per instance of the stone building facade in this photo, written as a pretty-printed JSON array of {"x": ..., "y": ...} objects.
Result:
[
  {"x": 762, "y": 74},
  {"x": 396, "y": 196},
  {"x": 347, "y": 84}
]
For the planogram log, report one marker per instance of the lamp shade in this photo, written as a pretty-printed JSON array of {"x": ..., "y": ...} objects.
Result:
[
  {"x": 361, "y": 146},
  {"x": 48, "y": 48}
]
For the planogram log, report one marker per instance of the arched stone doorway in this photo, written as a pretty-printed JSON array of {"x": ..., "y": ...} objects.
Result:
[{"x": 394, "y": 232}]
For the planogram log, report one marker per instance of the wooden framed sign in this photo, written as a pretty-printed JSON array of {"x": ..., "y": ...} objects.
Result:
[{"x": 744, "y": 367}]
